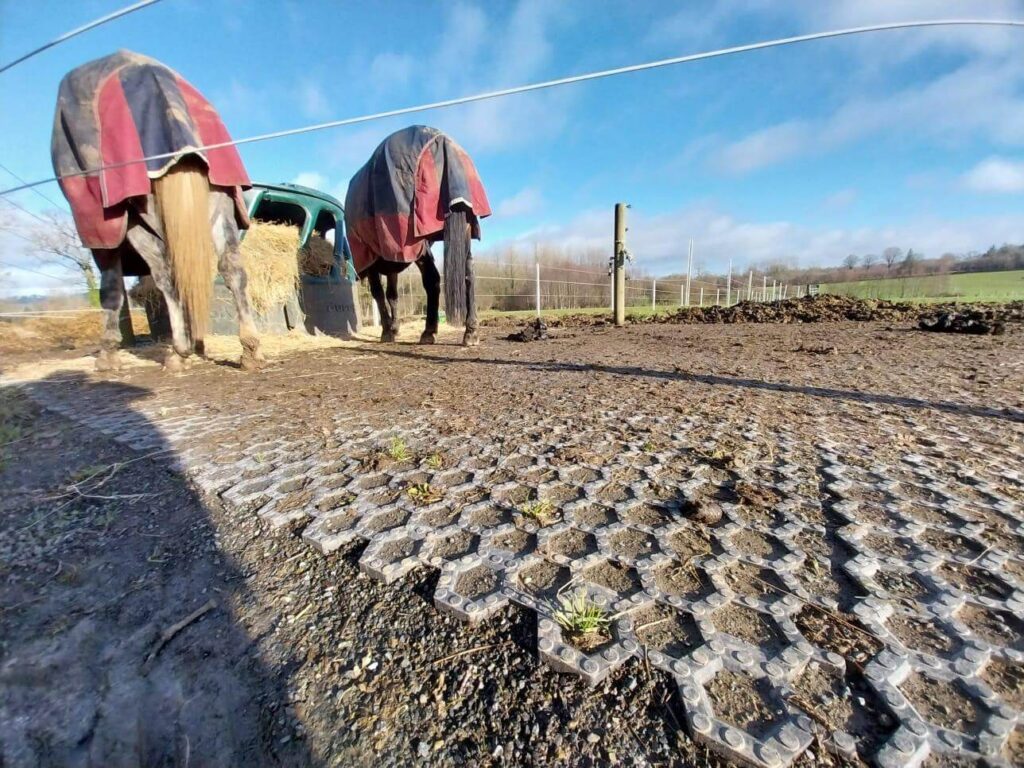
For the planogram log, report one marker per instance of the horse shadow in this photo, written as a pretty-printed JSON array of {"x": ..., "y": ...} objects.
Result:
[{"x": 124, "y": 621}]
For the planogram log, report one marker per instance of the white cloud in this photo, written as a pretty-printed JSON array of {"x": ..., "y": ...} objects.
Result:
[
  {"x": 659, "y": 242},
  {"x": 977, "y": 101},
  {"x": 996, "y": 174},
  {"x": 526, "y": 201},
  {"x": 468, "y": 63},
  {"x": 311, "y": 179}
]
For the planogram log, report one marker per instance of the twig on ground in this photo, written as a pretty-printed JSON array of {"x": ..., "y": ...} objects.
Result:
[
  {"x": 169, "y": 633},
  {"x": 799, "y": 701}
]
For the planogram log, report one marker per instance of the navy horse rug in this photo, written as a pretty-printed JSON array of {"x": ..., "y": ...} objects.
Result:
[
  {"x": 120, "y": 109},
  {"x": 404, "y": 192}
]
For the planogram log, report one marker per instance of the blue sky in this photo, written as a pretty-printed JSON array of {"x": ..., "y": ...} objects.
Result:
[{"x": 807, "y": 153}]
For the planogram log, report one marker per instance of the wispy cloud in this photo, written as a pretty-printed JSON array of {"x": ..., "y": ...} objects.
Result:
[
  {"x": 311, "y": 179},
  {"x": 520, "y": 48},
  {"x": 996, "y": 175},
  {"x": 659, "y": 242},
  {"x": 524, "y": 202},
  {"x": 979, "y": 100}
]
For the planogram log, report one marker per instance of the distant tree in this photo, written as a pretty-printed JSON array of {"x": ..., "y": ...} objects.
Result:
[
  {"x": 851, "y": 261},
  {"x": 869, "y": 260},
  {"x": 909, "y": 262},
  {"x": 891, "y": 255},
  {"x": 57, "y": 242}
]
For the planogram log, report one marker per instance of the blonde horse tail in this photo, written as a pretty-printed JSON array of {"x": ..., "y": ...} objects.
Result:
[{"x": 182, "y": 195}]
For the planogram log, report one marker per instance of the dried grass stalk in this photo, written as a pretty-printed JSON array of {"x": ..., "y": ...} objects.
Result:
[
  {"x": 271, "y": 264},
  {"x": 316, "y": 257}
]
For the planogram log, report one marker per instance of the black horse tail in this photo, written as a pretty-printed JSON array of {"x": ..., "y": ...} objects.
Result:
[{"x": 456, "y": 258}]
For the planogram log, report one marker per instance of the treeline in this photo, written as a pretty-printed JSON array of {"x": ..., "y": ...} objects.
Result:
[
  {"x": 895, "y": 262},
  {"x": 892, "y": 262}
]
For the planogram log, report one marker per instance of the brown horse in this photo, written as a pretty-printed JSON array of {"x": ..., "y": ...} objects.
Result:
[
  {"x": 418, "y": 187},
  {"x": 174, "y": 218}
]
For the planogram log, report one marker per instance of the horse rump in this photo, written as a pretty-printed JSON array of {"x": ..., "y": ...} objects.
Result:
[
  {"x": 182, "y": 196},
  {"x": 456, "y": 259}
]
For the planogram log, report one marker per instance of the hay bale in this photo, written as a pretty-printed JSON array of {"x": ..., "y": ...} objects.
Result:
[
  {"x": 269, "y": 255},
  {"x": 316, "y": 257}
]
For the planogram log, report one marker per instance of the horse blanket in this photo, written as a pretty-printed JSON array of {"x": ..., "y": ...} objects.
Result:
[
  {"x": 401, "y": 196},
  {"x": 124, "y": 107}
]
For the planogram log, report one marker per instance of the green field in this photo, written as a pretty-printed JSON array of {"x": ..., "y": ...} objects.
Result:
[{"x": 974, "y": 286}]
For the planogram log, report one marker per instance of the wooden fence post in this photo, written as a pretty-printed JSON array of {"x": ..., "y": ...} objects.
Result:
[{"x": 619, "y": 253}]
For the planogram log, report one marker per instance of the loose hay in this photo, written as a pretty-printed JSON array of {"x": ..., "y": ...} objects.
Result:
[
  {"x": 37, "y": 334},
  {"x": 316, "y": 257},
  {"x": 269, "y": 255}
]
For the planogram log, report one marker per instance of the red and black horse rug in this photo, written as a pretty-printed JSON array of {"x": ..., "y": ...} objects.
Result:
[
  {"x": 401, "y": 196},
  {"x": 125, "y": 107}
]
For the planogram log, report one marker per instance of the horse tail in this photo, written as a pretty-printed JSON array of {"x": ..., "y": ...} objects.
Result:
[
  {"x": 182, "y": 196},
  {"x": 456, "y": 258}
]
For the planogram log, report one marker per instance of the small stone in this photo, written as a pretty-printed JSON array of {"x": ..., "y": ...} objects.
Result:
[
  {"x": 593, "y": 738},
  {"x": 423, "y": 749}
]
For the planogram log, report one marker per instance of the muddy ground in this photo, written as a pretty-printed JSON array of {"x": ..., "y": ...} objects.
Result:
[{"x": 305, "y": 660}]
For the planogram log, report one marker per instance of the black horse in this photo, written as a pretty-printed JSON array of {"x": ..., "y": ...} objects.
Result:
[{"x": 418, "y": 187}]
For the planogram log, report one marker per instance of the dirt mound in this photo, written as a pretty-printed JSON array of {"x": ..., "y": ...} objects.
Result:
[
  {"x": 807, "y": 309},
  {"x": 532, "y": 331},
  {"x": 981, "y": 321}
]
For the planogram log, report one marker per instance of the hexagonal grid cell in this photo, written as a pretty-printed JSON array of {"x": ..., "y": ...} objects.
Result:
[
  {"x": 943, "y": 704},
  {"x": 996, "y": 627},
  {"x": 923, "y": 634},
  {"x": 543, "y": 578},
  {"x": 750, "y": 626},
  {"x": 677, "y": 579},
  {"x": 631, "y": 544},
  {"x": 850, "y": 712},
  {"x": 838, "y": 634},
  {"x": 450, "y": 544},
  {"x": 567, "y": 544},
  {"x": 511, "y": 540},
  {"x": 752, "y": 543},
  {"x": 751, "y": 580},
  {"x": 667, "y": 630},
  {"x": 687, "y": 541},
  {"x": 974, "y": 580},
  {"x": 616, "y": 577},
  {"x": 1006, "y": 678}
]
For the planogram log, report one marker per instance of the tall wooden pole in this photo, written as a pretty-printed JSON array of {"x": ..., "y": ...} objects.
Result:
[
  {"x": 689, "y": 271},
  {"x": 619, "y": 253}
]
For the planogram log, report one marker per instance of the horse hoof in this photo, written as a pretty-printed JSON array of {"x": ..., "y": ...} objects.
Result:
[
  {"x": 108, "y": 361},
  {"x": 470, "y": 339},
  {"x": 252, "y": 363},
  {"x": 427, "y": 338},
  {"x": 387, "y": 337},
  {"x": 174, "y": 363}
]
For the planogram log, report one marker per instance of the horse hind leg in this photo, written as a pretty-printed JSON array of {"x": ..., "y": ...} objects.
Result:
[
  {"x": 471, "y": 338},
  {"x": 392, "y": 296},
  {"x": 151, "y": 249},
  {"x": 432, "y": 286},
  {"x": 111, "y": 298},
  {"x": 377, "y": 292},
  {"x": 229, "y": 264}
]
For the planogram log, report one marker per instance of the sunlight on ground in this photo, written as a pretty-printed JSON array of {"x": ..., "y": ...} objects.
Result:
[{"x": 219, "y": 349}]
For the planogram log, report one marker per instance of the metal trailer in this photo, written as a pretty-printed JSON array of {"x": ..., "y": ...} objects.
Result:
[{"x": 326, "y": 304}]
